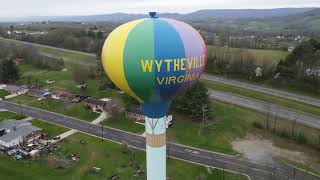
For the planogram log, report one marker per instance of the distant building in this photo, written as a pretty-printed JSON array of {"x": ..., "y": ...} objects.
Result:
[
  {"x": 313, "y": 72},
  {"x": 135, "y": 113},
  {"x": 59, "y": 95},
  {"x": 14, "y": 132},
  {"x": 100, "y": 105},
  {"x": 14, "y": 89},
  {"x": 19, "y": 61},
  {"x": 290, "y": 49},
  {"x": 2, "y": 86}
]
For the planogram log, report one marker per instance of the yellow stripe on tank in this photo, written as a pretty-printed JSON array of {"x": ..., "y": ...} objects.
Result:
[{"x": 112, "y": 56}]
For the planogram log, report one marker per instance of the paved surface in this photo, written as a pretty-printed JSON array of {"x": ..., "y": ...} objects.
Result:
[
  {"x": 254, "y": 170},
  {"x": 261, "y": 106},
  {"x": 45, "y": 46},
  {"x": 270, "y": 91},
  {"x": 104, "y": 115},
  {"x": 11, "y": 96},
  {"x": 66, "y": 134}
]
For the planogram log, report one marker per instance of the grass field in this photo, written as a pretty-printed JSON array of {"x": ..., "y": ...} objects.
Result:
[
  {"x": 106, "y": 155},
  {"x": 67, "y": 55},
  {"x": 4, "y": 115},
  {"x": 261, "y": 55},
  {"x": 51, "y": 130},
  {"x": 121, "y": 122},
  {"x": 3, "y": 93},
  {"x": 76, "y": 110},
  {"x": 263, "y": 97}
]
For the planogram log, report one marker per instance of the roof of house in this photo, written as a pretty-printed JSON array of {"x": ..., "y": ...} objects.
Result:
[
  {"x": 17, "y": 129},
  {"x": 38, "y": 91},
  {"x": 103, "y": 102},
  {"x": 95, "y": 102},
  {"x": 16, "y": 88},
  {"x": 11, "y": 124},
  {"x": 62, "y": 93}
]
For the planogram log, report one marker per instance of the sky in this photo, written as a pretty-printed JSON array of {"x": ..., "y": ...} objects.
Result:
[{"x": 24, "y": 8}]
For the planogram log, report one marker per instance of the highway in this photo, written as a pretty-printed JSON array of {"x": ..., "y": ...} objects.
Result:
[
  {"x": 253, "y": 170},
  {"x": 270, "y": 91},
  {"x": 264, "y": 107}
]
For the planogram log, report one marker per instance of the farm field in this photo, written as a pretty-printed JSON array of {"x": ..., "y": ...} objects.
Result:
[{"x": 261, "y": 55}]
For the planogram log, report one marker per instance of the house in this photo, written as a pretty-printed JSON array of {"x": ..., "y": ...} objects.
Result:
[
  {"x": 2, "y": 86},
  {"x": 290, "y": 49},
  {"x": 19, "y": 61},
  {"x": 14, "y": 89},
  {"x": 40, "y": 94},
  {"x": 59, "y": 95},
  {"x": 313, "y": 72},
  {"x": 135, "y": 113},
  {"x": 67, "y": 97},
  {"x": 14, "y": 132},
  {"x": 100, "y": 105}
]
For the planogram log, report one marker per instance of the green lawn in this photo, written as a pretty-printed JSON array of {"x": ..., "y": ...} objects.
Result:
[
  {"x": 79, "y": 111},
  {"x": 4, "y": 115},
  {"x": 51, "y": 130},
  {"x": 217, "y": 133},
  {"x": 121, "y": 122},
  {"x": 263, "y": 97},
  {"x": 3, "y": 93},
  {"x": 106, "y": 155}
]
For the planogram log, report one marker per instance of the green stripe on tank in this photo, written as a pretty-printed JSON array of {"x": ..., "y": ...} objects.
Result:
[{"x": 140, "y": 46}]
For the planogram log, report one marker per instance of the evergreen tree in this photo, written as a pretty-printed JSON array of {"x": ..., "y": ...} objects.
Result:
[
  {"x": 192, "y": 101},
  {"x": 8, "y": 71}
]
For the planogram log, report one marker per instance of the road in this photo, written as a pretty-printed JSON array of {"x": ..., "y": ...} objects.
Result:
[
  {"x": 202, "y": 157},
  {"x": 264, "y": 107},
  {"x": 45, "y": 46},
  {"x": 270, "y": 91}
]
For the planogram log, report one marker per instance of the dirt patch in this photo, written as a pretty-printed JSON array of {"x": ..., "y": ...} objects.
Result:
[{"x": 263, "y": 150}]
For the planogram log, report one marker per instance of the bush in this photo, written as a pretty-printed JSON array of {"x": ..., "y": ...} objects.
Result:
[
  {"x": 257, "y": 125},
  {"x": 301, "y": 138},
  {"x": 284, "y": 134}
]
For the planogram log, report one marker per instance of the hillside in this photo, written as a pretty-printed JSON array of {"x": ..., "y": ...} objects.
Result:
[{"x": 198, "y": 15}]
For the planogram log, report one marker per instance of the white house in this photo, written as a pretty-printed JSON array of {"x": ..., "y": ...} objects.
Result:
[
  {"x": 14, "y": 89},
  {"x": 14, "y": 132}
]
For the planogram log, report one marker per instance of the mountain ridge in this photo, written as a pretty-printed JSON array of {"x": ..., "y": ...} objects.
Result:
[{"x": 197, "y": 15}]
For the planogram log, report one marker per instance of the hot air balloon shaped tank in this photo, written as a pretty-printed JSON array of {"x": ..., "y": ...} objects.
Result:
[{"x": 152, "y": 60}]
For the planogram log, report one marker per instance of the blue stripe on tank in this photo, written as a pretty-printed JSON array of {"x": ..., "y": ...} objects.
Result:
[{"x": 167, "y": 45}]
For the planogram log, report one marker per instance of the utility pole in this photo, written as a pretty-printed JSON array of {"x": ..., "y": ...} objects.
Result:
[
  {"x": 101, "y": 131},
  {"x": 204, "y": 110},
  {"x": 21, "y": 112}
]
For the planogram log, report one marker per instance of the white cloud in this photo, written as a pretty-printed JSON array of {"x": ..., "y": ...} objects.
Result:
[{"x": 19, "y": 8}]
